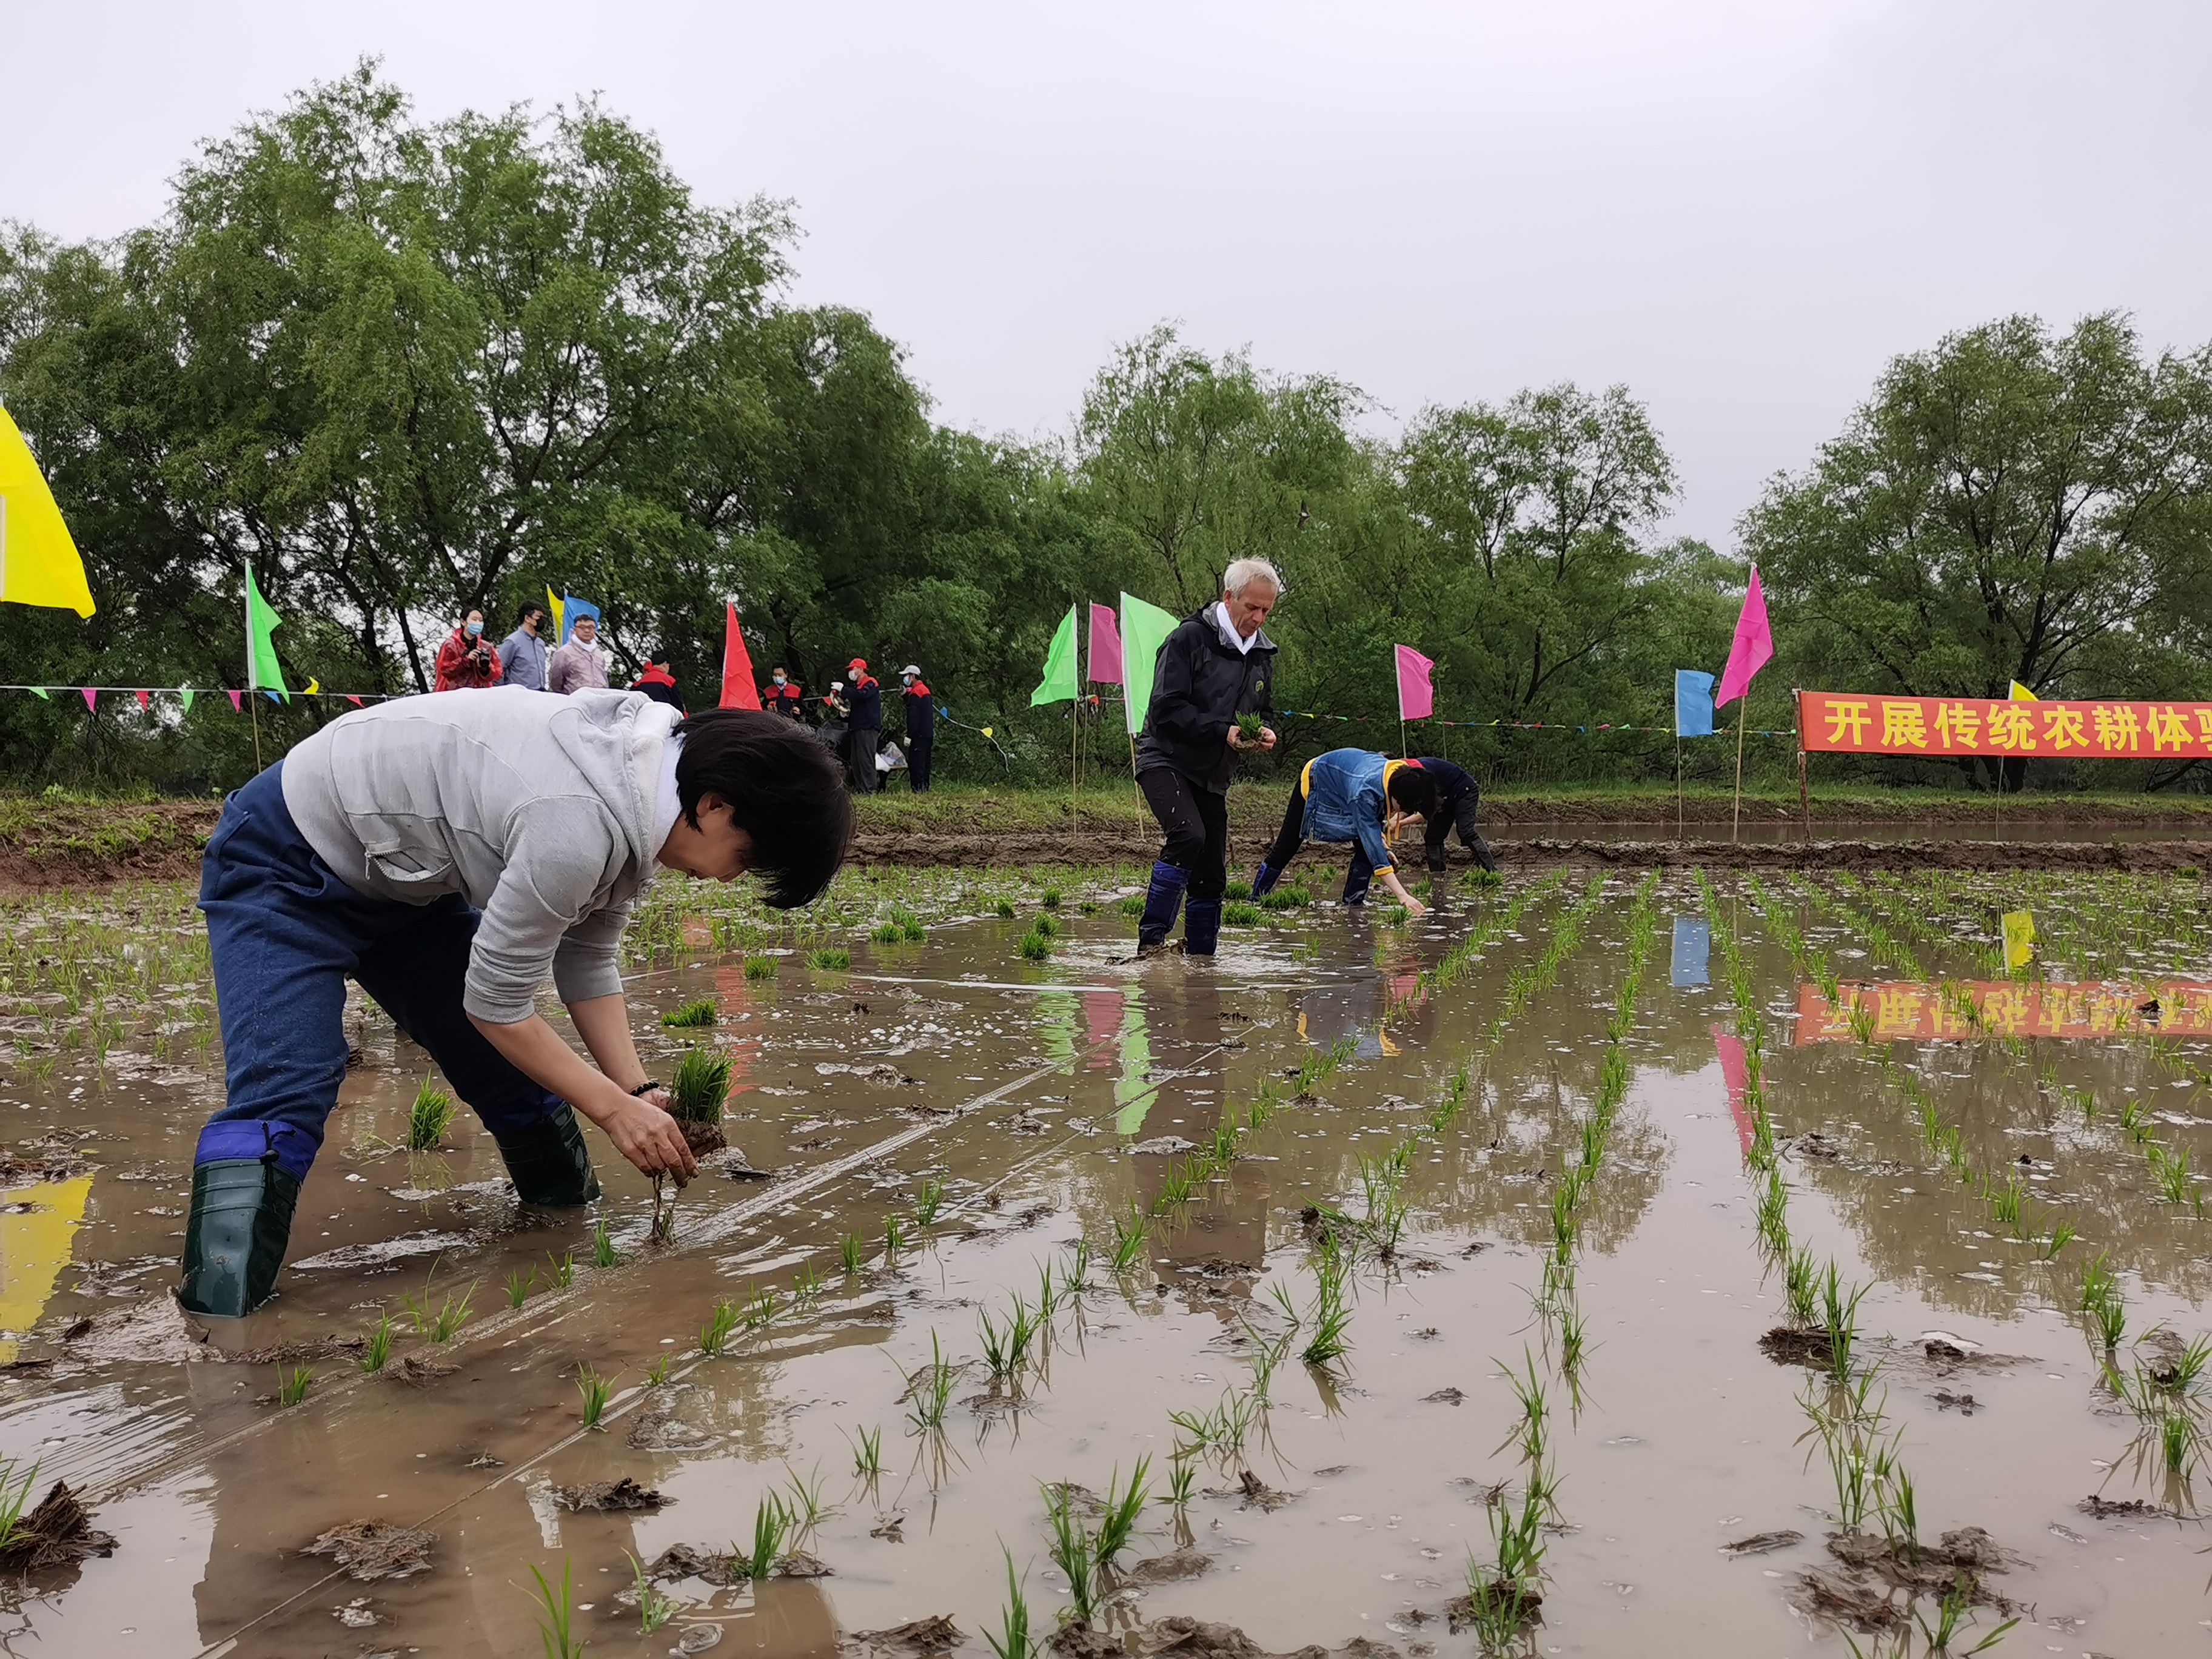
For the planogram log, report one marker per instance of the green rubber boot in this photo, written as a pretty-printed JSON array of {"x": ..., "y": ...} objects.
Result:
[
  {"x": 549, "y": 1162},
  {"x": 234, "y": 1239}
]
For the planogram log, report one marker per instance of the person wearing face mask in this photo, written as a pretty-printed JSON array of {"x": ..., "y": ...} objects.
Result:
[
  {"x": 579, "y": 665},
  {"x": 522, "y": 654},
  {"x": 781, "y": 695},
  {"x": 864, "y": 702},
  {"x": 466, "y": 660},
  {"x": 920, "y": 727}
]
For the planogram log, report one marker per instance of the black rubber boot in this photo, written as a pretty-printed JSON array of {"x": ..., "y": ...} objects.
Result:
[
  {"x": 1484, "y": 856},
  {"x": 549, "y": 1162},
  {"x": 234, "y": 1238}
]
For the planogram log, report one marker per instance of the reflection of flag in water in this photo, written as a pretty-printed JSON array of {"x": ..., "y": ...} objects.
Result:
[
  {"x": 1133, "y": 1093},
  {"x": 1058, "y": 1020},
  {"x": 1735, "y": 1071},
  {"x": 1693, "y": 940},
  {"x": 732, "y": 995},
  {"x": 2019, "y": 939},
  {"x": 1101, "y": 1019}
]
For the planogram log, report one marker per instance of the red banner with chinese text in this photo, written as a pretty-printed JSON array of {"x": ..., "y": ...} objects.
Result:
[
  {"x": 1854, "y": 723},
  {"x": 1910, "y": 1010}
]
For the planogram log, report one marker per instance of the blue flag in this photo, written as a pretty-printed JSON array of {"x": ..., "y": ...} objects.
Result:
[
  {"x": 572, "y": 607},
  {"x": 1693, "y": 705},
  {"x": 1693, "y": 940}
]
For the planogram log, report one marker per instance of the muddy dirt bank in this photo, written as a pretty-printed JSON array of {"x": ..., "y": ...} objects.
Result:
[{"x": 43, "y": 847}]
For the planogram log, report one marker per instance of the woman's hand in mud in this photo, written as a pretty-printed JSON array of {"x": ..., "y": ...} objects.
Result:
[{"x": 644, "y": 1132}]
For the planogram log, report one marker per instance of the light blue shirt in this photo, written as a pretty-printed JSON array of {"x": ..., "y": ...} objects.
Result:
[{"x": 522, "y": 660}]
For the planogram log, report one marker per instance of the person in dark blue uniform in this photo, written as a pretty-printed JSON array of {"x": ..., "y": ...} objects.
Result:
[
  {"x": 864, "y": 698},
  {"x": 920, "y": 727}
]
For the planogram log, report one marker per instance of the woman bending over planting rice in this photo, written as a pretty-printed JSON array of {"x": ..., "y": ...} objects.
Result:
[
  {"x": 1345, "y": 795},
  {"x": 449, "y": 854}
]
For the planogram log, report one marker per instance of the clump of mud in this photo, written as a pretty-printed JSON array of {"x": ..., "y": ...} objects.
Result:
[
  {"x": 622, "y": 1494},
  {"x": 58, "y": 1532},
  {"x": 937, "y": 1634},
  {"x": 724, "y": 1567},
  {"x": 417, "y": 1370},
  {"x": 1794, "y": 1345},
  {"x": 1881, "y": 1577},
  {"x": 1255, "y": 1494},
  {"x": 1183, "y": 1638},
  {"x": 1497, "y": 1596},
  {"x": 49, "y": 1158},
  {"x": 370, "y": 1550}
]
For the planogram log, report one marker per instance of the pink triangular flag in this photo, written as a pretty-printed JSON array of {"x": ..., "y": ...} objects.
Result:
[
  {"x": 352, "y": 699},
  {"x": 144, "y": 701},
  {"x": 1417, "y": 697},
  {"x": 1105, "y": 647},
  {"x": 91, "y": 697},
  {"x": 1753, "y": 647},
  {"x": 237, "y": 700}
]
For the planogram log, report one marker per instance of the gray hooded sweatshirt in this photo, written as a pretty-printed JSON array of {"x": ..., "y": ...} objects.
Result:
[{"x": 539, "y": 811}]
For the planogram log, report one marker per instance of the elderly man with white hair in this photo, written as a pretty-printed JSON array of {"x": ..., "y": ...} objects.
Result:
[{"x": 1216, "y": 666}]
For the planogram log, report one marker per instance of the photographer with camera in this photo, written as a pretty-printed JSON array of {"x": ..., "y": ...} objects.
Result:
[{"x": 466, "y": 660}]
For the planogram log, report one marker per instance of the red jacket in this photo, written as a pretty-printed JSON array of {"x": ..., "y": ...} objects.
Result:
[{"x": 456, "y": 672}]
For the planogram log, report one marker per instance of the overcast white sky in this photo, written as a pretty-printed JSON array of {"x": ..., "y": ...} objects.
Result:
[{"x": 1740, "y": 210}]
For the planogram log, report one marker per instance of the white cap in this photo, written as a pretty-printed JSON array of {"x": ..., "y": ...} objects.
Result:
[{"x": 913, "y": 669}]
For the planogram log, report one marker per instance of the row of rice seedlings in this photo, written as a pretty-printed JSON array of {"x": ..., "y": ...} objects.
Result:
[
  {"x": 1810, "y": 963},
  {"x": 1857, "y": 923},
  {"x": 1504, "y": 1592},
  {"x": 1088, "y": 1554}
]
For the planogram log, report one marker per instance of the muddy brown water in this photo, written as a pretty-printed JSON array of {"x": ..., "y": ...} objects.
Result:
[{"x": 1022, "y": 1088}]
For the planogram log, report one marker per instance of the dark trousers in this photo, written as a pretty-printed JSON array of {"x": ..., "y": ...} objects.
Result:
[
  {"x": 1196, "y": 822},
  {"x": 284, "y": 933},
  {"x": 1292, "y": 835},
  {"x": 1461, "y": 815},
  {"x": 917, "y": 760},
  {"x": 860, "y": 746}
]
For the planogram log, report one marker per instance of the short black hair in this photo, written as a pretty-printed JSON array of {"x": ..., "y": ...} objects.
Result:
[
  {"x": 1413, "y": 790},
  {"x": 784, "y": 792},
  {"x": 529, "y": 608}
]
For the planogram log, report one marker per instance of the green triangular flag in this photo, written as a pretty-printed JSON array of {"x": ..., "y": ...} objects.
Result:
[
  {"x": 1059, "y": 684},
  {"x": 186, "y": 694},
  {"x": 1145, "y": 629},
  {"x": 262, "y": 672},
  {"x": 40, "y": 691}
]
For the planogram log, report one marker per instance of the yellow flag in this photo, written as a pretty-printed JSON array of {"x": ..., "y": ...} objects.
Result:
[
  {"x": 2021, "y": 693},
  {"x": 2019, "y": 939},
  {"x": 39, "y": 562},
  {"x": 554, "y": 602},
  {"x": 313, "y": 686}
]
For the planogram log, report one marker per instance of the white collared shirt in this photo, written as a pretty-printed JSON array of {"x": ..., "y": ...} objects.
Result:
[{"x": 667, "y": 805}]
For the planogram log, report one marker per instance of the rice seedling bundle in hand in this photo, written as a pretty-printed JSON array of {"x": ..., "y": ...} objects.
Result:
[{"x": 702, "y": 1084}]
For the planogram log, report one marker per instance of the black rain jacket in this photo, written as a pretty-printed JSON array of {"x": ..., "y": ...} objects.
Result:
[{"x": 1201, "y": 684}]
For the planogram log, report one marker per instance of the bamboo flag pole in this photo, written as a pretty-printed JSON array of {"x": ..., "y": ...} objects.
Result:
[
  {"x": 253, "y": 703},
  {"x": 1735, "y": 831}
]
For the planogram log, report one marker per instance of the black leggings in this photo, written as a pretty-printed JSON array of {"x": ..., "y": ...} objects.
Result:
[
  {"x": 1196, "y": 823},
  {"x": 1292, "y": 835}
]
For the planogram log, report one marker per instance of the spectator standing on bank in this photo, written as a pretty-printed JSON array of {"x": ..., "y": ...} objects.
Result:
[
  {"x": 781, "y": 695},
  {"x": 579, "y": 664},
  {"x": 657, "y": 682},
  {"x": 920, "y": 727},
  {"x": 866, "y": 700},
  {"x": 466, "y": 660},
  {"x": 1216, "y": 665},
  {"x": 522, "y": 654}
]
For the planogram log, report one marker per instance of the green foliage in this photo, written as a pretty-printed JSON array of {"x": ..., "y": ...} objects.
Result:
[
  {"x": 594, "y": 1389},
  {"x": 700, "y": 1012},
  {"x": 292, "y": 1385},
  {"x": 556, "y": 1615},
  {"x": 1240, "y": 915},
  {"x": 832, "y": 959},
  {"x": 758, "y": 968},
  {"x": 1035, "y": 947}
]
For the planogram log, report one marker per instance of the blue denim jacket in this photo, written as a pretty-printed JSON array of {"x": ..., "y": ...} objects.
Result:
[{"x": 1344, "y": 800}]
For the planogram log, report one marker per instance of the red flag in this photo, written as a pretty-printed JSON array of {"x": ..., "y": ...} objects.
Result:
[
  {"x": 1735, "y": 1073},
  {"x": 352, "y": 699},
  {"x": 237, "y": 700},
  {"x": 738, "y": 690},
  {"x": 91, "y": 697},
  {"x": 1753, "y": 646},
  {"x": 1105, "y": 647},
  {"x": 1417, "y": 698},
  {"x": 145, "y": 701}
]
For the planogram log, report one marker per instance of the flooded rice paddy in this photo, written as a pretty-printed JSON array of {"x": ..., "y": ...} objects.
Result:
[{"x": 1597, "y": 1265}]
